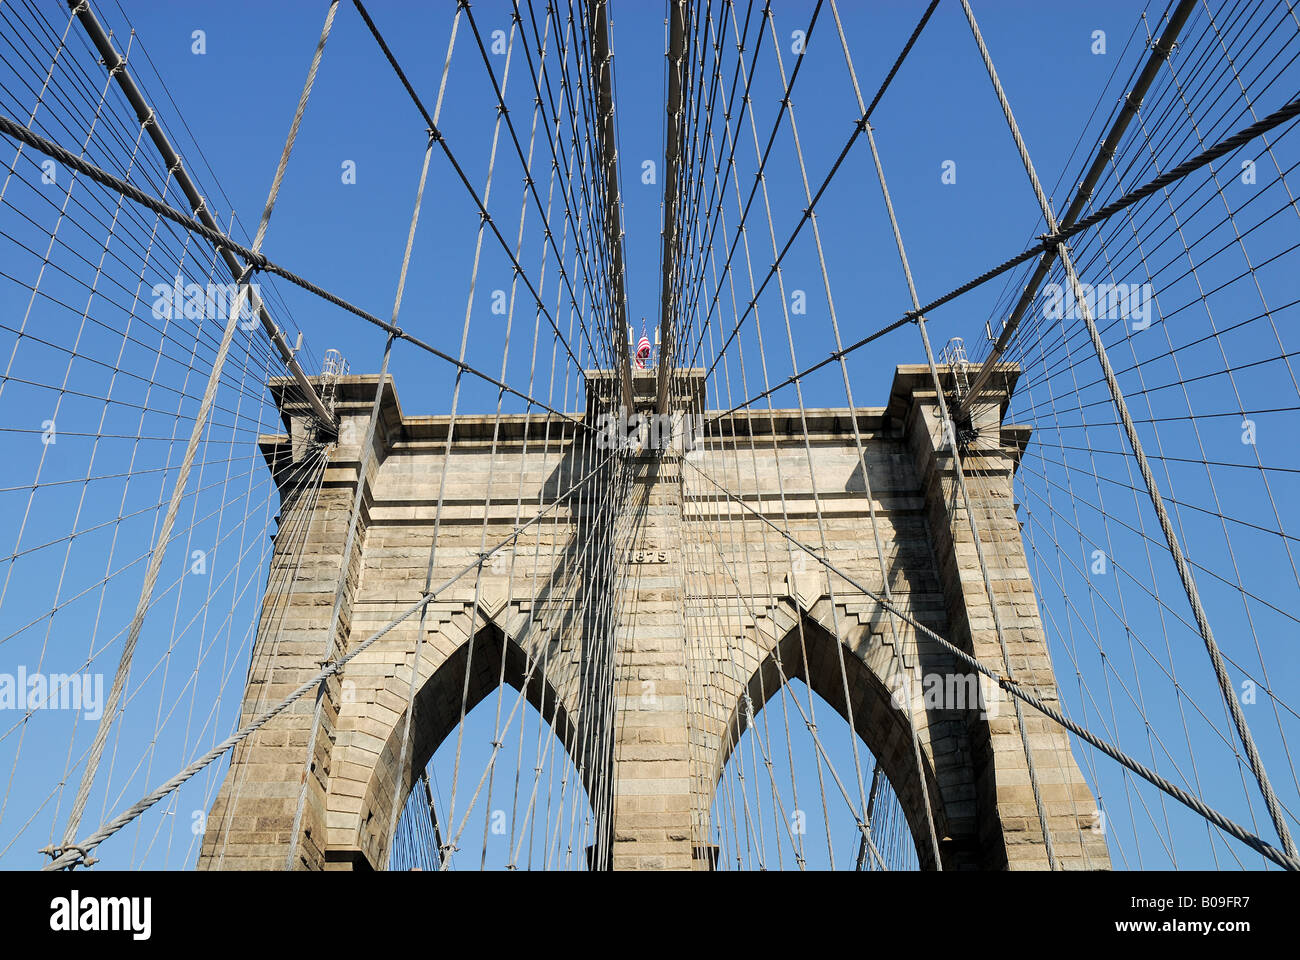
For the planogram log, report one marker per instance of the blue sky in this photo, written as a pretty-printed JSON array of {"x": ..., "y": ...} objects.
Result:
[{"x": 238, "y": 96}]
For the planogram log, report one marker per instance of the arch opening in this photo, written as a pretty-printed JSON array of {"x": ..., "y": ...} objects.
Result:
[
  {"x": 494, "y": 774},
  {"x": 776, "y": 805},
  {"x": 795, "y": 700}
]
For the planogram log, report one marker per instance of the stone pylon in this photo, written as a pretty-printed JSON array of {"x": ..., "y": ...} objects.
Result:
[{"x": 704, "y": 611}]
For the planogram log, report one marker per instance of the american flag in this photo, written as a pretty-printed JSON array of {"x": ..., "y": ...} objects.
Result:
[{"x": 643, "y": 352}]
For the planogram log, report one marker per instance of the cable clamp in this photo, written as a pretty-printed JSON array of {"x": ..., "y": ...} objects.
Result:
[
  {"x": 83, "y": 859},
  {"x": 1154, "y": 44}
]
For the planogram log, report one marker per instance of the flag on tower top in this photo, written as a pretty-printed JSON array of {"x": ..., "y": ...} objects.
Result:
[{"x": 643, "y": 351}]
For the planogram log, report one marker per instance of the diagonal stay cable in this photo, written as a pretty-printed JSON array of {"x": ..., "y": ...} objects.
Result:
[
  {"x": 474, "y": 196},
  {"x": 260, "y": 262},
  {"x": 111, "y": 708},
  {"x": 1226, "y": 686},
  {"x": 612, "y": 342},
  {"x": 1287, "y": 112},
  {"x": 859, "y": 126}
]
